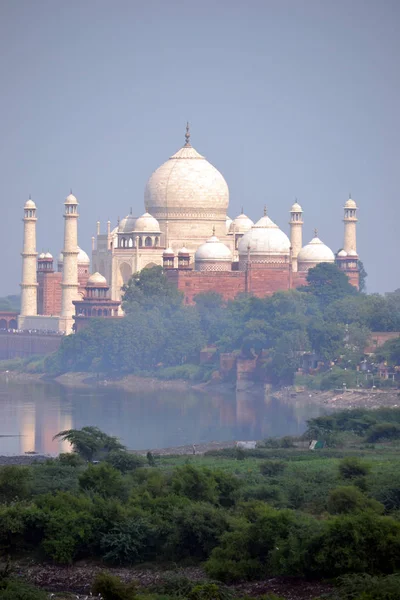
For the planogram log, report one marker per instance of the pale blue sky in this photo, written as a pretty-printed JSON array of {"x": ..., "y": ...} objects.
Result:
[{"x": 287, "y": 98}]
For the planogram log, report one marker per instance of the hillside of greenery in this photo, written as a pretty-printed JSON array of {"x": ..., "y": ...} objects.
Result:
[
  {"x": 162, "y": 336},
  {"x": 279, "y": 511}
]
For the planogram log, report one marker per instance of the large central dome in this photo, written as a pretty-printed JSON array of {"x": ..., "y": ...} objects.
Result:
[{"x": 187, "y": 185}]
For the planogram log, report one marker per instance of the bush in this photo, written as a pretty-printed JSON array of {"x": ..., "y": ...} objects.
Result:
[
  {"x": 104, "y": 480},
  {"x": 129, "y": 542},
  {"x": 272, "y": 468},
  {"x": 383, "y": 431},
  {"x": 13, "y": 589},
  {"x": 14, "y": 483},
  {"x": 209, "y": 591},
  {"x": 197, "y": 530},
  {"x": 197, "y": 484},
  {"x": 352, "y": 467},
  {"x": 366, "y": 587},
  {"x": 70, "y": 459},
  {"x": 356, "y": 544},
  {"x": 347, "y": 499},
  {"x": 124, "y": 462},
  {"x": 110, "y": 587}
]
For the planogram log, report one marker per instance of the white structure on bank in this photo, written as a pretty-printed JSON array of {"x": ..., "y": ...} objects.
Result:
[
  {"x": 313, "y": 253},
  {"x": 29, "y": 281}
]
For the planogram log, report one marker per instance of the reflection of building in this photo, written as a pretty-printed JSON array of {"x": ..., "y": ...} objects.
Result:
[{"x": 186, "y": 200}]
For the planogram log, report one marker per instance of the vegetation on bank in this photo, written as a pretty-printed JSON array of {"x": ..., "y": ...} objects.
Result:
[
  {"x": 278, "y": 510},
  {"x": 161, "y": 336}
]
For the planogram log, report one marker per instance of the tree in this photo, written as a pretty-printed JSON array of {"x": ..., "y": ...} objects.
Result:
[
  {"x": 90, "y": 442},
  {"x": 362, "y": 277},
  {"x": 328, "y": 283},
  {"x": 148, "y": 288}
]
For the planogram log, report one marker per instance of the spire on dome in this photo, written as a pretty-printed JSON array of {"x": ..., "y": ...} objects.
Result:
[
  {"x": 187, "y": 136},
  {"x": 265, "y": 210},
  {"x": 315, "y": 232},
  {"x": 213, "y": 229}
]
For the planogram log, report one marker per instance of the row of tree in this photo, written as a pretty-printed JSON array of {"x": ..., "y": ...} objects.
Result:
[{"x": 328, "y": 317}]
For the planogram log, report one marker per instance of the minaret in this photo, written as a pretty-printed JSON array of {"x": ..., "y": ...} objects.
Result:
[
  {"x": 29, "y": 254},
  {"x": 69, "y": 283},
  {"x": 350, "y": 224},
  {"x": 296, "y": 232}
]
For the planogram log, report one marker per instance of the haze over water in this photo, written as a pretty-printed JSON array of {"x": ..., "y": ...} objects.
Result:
[{"x": 31, "y": 414}]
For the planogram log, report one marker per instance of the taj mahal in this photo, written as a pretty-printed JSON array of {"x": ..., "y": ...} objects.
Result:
[{"x": 185, "y": 228}]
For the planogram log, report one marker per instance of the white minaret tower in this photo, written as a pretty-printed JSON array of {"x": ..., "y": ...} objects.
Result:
[
  {"x": 296, "y": 232},
  {"x": 350, "y": 224},
  {"x": 29, "y": 254},
  {"x": 69, "y": 283}
]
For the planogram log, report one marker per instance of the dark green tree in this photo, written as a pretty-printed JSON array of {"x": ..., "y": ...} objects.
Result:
[
  {"x": 150, "y": 287},
  {"x": 328, "y": 283}
]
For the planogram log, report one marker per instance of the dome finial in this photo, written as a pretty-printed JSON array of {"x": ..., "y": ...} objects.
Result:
[
  {"x": 213, "y": 229},
  {"x": 315, "y": 232},
  {"x": 187, "y": 136},
  {"x": 349, "y": 195},
  {"x": 265, "y": 210},
  {"x": 30, "y": 197},
  {"x": 70, "y": 190},
  {"x": 130, "y": 211},
  {"x": 242, "y": 211}
]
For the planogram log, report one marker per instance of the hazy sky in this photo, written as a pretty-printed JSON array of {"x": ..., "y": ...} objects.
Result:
[{"x": 287, "y": 98}]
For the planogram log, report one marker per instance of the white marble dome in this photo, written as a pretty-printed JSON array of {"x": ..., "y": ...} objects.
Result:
[
  {"x": 350, "y": 203},
  {"x": 48, "y": 255},
  {"x": 147, "y": 224},
  {"x": 96, "y": 279},
  {"x": 71, "y": 199},
  {"x": 342, "y": 253},
  {"x": 352, "y": 253},
  {"x": 313, "y": 253},
  {"x": 296, "y": 207},
  {"x": 41, "y": 256},
  {"x": 187, "y": 183},
  {"x": 127, "y": 224},
  {"x": 213, "y": 255},
  {"x": 241, "y": 224},
  {"x": 83, "y": 258},
  {"x": 30, "y": 204},
  {"x": 264, "y": 239}
]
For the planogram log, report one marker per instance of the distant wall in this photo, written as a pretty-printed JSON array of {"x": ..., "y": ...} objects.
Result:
[
  {"x": 378, "y": 338},
  {"x": 23, "y": 345}
]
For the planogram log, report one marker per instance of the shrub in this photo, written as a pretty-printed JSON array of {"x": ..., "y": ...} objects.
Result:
[
  {"x": 110, "y": 587},
  {"x": 197, "y": 530},
  {"x": 209, "y": 591},
  {"x": 357, "y": 543},
  {"x": 347, "y": 499},
  {"x": 124, "y": 462},
  {"x": 104, "y": 480},
  {"x": 128, "y": 543},
  {"x": 13, "y": 589},
  {"x": 197, "y": 484},
  {"x": 352, "y": 467},
  {"x": 367, "y": 587},
  {"x": 383, "y": 431},
  {"x": 70, "y": 459},
  {"x": 14, "y": 483},
  {"x": 272, "y": 468}
]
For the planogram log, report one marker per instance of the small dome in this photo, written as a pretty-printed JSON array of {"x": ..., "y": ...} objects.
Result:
[
  {"x": 213, "y": 250},
  {"x": 30, "y": 204},
  {"x": 350, "y": 204},
  {"x": 264, "y": 238},
  {"x": 71, "y": 199},
  {"x": 147, "y": 224},
  {"x": 95, "y": 280},
  {"x": 315, "y": 252},
  {"x": 352, "y": 253},
  {"x": 127, "y": 224},
  {"x": 342, "y": 253},
  {"x": 183, "y": 250},
  {"x": 241, "y": 223},
  {"x": 42, "y": 256},
  {"x": 48, "y": 255},
  {"x": 228, "y": 222},
  {"x": 168, "y": 252},
  {"x": 296, "y": 208},
  {"x": 83, "y": 258}
]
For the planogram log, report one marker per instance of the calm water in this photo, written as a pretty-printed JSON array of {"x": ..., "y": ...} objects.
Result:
[{"x": 31, "y": 414}]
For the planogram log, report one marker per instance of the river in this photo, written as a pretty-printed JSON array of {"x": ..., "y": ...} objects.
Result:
[{"x": 32, "y": 413}]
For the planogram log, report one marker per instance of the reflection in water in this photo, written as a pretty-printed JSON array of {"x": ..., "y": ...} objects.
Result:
[{"x": 30, "y": 415}]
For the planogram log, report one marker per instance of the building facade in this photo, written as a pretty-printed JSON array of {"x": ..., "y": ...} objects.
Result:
[{"x": 185, "y": 227}]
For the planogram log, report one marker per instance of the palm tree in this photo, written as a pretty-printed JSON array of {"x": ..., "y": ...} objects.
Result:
[{"x": 90, "y": 442}]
